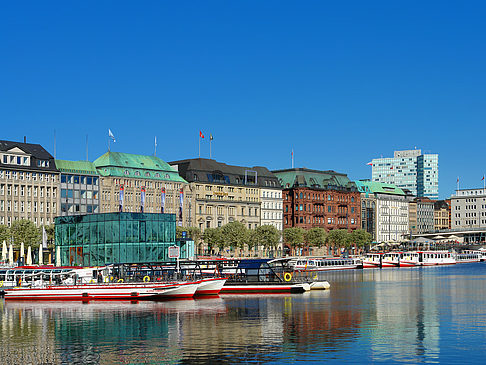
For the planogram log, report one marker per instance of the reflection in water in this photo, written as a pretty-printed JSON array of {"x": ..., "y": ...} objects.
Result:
[{"x": 413, "y": 315}]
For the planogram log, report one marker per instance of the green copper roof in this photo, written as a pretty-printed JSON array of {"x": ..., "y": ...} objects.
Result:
[
  {"x": 76, "y": 167},
  {"x": 312, "y": 178},
  {"x": 378, "y": 188},
  {"x": 136, "y": 166}
]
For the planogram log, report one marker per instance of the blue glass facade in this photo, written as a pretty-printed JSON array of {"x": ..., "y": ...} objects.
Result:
[{"x": 100, "y": 239}]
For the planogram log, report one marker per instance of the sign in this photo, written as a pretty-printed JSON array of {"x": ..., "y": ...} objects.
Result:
[
  {"x": 184, "y": 234},
  {"x": 174, "y": 252}
]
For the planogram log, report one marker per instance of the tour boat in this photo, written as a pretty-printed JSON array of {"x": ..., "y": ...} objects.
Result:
[
  {"x": 432, "y": 258},
  {"x": 102, "y": 291},
  {"x": 409, "y": 259},
  {"x": 372, "y": 260},
  {"x": 390, "y": 259},
  {"x": 324, "y": 264},
  {"x": 468, "y": 256}
]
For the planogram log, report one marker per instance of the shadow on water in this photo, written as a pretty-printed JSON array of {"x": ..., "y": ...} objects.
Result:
[{"x": 392, "y": 315}]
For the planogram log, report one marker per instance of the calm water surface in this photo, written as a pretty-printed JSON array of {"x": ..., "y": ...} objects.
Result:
[{"x": 414, "y": 315}]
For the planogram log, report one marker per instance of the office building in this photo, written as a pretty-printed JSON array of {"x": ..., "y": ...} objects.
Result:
[{"x": 411, "y": 170}]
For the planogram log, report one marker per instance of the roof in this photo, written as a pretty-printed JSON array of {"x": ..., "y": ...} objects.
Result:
[
  {"x": 302, "y": 177},
  {"x": 375, "y": 187},
  {"x": 76, "y": 167},
  {"x": 36, "y": 151},
  {"x": 212, "y": 171},
  {"x": 441, "y": 204},
  {"x": 135, "y": 166}
]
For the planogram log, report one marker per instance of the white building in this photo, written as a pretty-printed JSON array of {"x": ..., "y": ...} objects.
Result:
[
  {"x": 409, "y": 169},
  {"x": 468, "y": 209},
  {"x": 271, "y": 208}
]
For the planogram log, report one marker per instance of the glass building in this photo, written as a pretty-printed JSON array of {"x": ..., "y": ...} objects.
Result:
[
  {"x": 409, "y": 170},
  {"x": 113, "y": 238}
]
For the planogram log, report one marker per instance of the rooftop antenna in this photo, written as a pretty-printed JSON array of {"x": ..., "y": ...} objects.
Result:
[
  {"x": 54, "y": 144},
  {"x": 292, "y": 157},
  {"x": 87, "y": 159}
]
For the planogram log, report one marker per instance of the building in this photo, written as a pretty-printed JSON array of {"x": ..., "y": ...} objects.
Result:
[
  {"x": 114, "y": 238},
  {"x": 29, "y": 184},
  {"x": 384, "y": 211},
  {"x": 421, "y": 215},
  {"x": 313, "y": 198},
  {"x": 271, "y": 207},
  {"x": 226, "y": 193},
  {"x": 136, "y": 183},
  {"x": 468, "y": 209},
  {"x": 79, "y": 187},
  {"x": 442, "y": 215},
  {"x": 409, "y": 169}
]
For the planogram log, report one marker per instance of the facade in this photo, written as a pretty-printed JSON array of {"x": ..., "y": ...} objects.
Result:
[
  {"x": 384, "y": 211},
  {"x": 421, "y": 212},
  {"x": 79, "y": 187},
  {"x": 271, "y": 207},
  {"x": 313, "y": 198},
  {"x": 101, "y": 239},
  {"x": 29, "y": 184},
  {"x": 226, "y": 193},
  {"x": 442, "y": 215},
  {"x": 132, "y": 183},
  {"x": 411, "y": 170},
  {"x": 468, "y": 209}
]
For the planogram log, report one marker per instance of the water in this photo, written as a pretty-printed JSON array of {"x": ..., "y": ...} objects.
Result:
[{"x": 429, "y": 315}]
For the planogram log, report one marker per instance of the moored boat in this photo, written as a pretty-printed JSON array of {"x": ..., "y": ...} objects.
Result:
[
  {"x": 324, "y": 264},
  {"x": 390, "y": 259},
  {"x": 210, "y": 286},
  {"x": 372, "y": 260}
]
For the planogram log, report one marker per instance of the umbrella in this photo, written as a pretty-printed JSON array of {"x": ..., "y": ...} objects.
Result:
[
  {"x": 4, "y": 251},
  {"x": 22, "y": 253},
  {"x": 29, "y": 256},
  {"x": 453, "y": 237},
  {"x": 41, "y": 254},
  {"x": 10, "y": 256},
  {"x": 58, "y": 256},
  {"x": 439, "y": 237},
  {"x": 422, "y": 240}
]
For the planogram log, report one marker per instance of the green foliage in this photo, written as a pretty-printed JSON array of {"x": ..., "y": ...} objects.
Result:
[
  {"x": 315, "y": 236},
  {"x": 268, "y": 236},
  {"x": 361, "y": 238},
  {"x": 50, "y": 231},
  {"x": 212, "y": 238},
  {"x": 294, "y": 236},
  {"x": 193, "y": 233},
  {"x": 4, "y": 233},
  {"x": 234, "y": 234},
  {"x": 338, "y": 237},
  {"x": 25, "y": 231}
]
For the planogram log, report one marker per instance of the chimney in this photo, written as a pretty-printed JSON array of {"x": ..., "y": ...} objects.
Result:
[{"x": 25, "y": 139}]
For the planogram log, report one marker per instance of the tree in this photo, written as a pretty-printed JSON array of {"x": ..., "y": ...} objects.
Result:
[
  {"x": 265, "y": 236},
  {"x": 4, "y": 233},
  {"x": 360, "y": 238},
  {"x": 294, "y": 236},
  {"x": 338, "y": 238},
  {"x": 212, "y": 238},
  {"x": 25, "y": 231},
  {"x": 235, "y": 235},
  {"x": 315, "y": 237},
  {"x": 51, "y": 234}
]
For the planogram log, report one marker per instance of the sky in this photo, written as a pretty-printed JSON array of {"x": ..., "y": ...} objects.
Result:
[{"x": 338, "y": 82}]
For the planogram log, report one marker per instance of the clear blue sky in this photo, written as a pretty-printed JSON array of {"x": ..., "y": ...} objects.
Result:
[{"x": 339, "y": 82}]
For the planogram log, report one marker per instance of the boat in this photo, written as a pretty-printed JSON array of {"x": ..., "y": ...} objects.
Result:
[
  {"x": 210, "y": 286},
  {"x": 372, "y": 260},
  {"x": 433, "y": 258},
  {"x": 409, "y": 259},
  {"x": 468, "y": 256},
  {"x": 324, "y": 264},
  {"x": 257, "y": 276},
  {"x": 390, "y": 259}
]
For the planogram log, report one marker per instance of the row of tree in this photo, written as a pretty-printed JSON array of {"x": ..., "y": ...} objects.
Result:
[{"x": 25, "y": 231}]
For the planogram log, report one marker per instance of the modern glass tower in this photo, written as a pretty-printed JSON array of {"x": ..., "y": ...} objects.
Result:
[{"x": 410, "y": 170}]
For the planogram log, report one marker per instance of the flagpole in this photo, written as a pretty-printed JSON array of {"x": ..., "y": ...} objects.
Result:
[
  {"x": 199, "y": 146},
  {"x": 109, "y": 143},
  {"x": 155, "y": 148},
  {"x": 87, "y": 159},
  {"x": 210, "y": 139}
]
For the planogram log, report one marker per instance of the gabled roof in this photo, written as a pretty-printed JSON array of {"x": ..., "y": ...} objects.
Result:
[
  {"x": 302, "y": 177},
  {"x": 35, "y": 150},
  {"x": 135, "y": 166},
  {"x": 76, "y": 167}
]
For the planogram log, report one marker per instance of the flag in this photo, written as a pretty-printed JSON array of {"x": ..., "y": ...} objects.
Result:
[
  {"x": 210, "y": 137},
  {"x": 391, "y": 168},
  {"x": 482, "y": 178},
  {"x": 181, "y": 202},
  {"x": 121, "y": 197},
  {"x": 142, "y": 199},
  {"x": 162, "y": 200},
  {"x": 201, "y": 134},
  {"x": 155, "y": 141},
  {"x": 110, "y": 134},
  {"x": 370, "y": 163},
  {"x": 458, "y": 180}
]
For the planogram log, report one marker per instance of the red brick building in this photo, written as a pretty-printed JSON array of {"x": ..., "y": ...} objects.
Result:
[{"x": 312, "y": 198}]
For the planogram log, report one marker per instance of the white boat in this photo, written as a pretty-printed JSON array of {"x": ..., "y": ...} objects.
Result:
[
  {"x": 390, "y": 259},
  {"x": 468, "y": 256},
  {"x": 372, "y": 260},
  {"x": 409, "y": 259},
  {"x": 210, "y": 286},
  {"x": 432, "y": 258},
  {"x": 324, "y": 264}
]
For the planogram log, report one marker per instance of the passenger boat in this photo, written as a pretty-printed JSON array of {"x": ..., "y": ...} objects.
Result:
[
  {"x": 432, "y": 258},
  {"x": 324, "y": 264},
  {"x": 390, "y": 259},
  {"x": 210, "y": 286},
  {"x": 409, "y": 259},
  {"x": 372, "y": 260},
  {"x": 256, "y": 276},
  {"x": 468, "y": 256}
]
